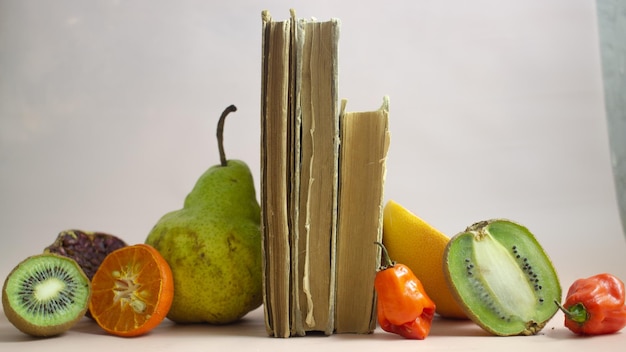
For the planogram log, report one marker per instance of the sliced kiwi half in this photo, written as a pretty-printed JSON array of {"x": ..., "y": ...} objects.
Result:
[
  {"x": 502, "y": 277},
  {"x": 46, "y": 294}
]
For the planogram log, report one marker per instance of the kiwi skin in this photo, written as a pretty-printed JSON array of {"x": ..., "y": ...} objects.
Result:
[
  {"x": 490, "y": 287},
  {"x": 43, "y": 330}
]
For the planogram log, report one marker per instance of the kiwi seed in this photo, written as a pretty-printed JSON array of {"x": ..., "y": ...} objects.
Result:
[{"x": 45, "y": 295}]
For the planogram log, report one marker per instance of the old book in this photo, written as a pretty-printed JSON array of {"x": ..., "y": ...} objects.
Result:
[
  {"x": 274, "y": 174},
  {"x": 300, "y": 142},
  {"x": 315, "y": 221},
  {"x": 364, "y": 144},
  {"x": 297, "y": 45},
  {"x": 322, "y": 176}
]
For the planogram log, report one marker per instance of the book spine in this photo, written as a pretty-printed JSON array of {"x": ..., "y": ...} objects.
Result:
[{"x": 274, "y": 178}]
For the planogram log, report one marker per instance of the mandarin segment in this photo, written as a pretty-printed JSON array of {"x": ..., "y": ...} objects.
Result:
[
  {"x": 412, "y": 241},
  {"x": 132, "y": 291}
]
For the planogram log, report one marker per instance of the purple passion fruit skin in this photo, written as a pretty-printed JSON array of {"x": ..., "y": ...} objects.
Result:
[{"x": 87, "y": 248}]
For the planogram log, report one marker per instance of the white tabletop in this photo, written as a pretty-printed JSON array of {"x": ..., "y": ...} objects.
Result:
[{"x": 250, "y": 335}]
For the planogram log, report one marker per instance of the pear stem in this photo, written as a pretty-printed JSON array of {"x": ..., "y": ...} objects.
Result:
[{"x": 220, "y": 133}]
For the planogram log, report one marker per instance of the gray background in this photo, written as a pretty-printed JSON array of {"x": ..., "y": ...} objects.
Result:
[
  {"x": 108, "y": 111},
  {"x": 612, "y": 28}
]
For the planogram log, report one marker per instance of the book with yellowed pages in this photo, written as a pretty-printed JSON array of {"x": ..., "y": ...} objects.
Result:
[
  {"x": 300, "y": 185},
  {"x": 274, "y": 188},
  {"x": 316, "y": 178},
  {"x": 364, "y": 144}
]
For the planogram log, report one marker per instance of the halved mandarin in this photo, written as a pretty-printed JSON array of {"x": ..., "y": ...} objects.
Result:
[{"x": 132, "y": 291}]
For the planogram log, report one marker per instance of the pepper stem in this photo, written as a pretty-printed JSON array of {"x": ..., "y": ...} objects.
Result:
[
  {"x": 576, "y": 313},
  {"x": 220, "y": 133},
  {"x": 388, "y": 262}
]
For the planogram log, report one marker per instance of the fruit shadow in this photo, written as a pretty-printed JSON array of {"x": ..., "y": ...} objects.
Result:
[
  {"x": 256, "y": 328},
  {"x": 252, "y": 327},
  {"x": 457, "y": 328},
  {"x": 9, "y": 334},
  {"x": 245, "y": 327}
]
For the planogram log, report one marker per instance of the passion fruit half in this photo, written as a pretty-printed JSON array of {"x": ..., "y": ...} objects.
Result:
[{"x": 87, "y": 248}]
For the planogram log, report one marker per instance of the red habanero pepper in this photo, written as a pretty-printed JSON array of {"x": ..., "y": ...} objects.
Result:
[
  {"x": 595, "y": 305},
  {"x": 403, "y": 307}
]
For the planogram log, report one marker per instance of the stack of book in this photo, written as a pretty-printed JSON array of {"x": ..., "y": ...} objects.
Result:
[{"x": 322, "y": 178}]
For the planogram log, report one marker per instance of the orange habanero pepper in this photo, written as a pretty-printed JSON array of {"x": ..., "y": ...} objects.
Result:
[
  {"x": 595, "y": 305},
  {"x": 403, "y": 307}
]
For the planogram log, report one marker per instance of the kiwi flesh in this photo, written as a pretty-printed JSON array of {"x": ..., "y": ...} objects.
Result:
[
  {"x": 502, "y": 278},
  {"x": 45, "y": 295}
]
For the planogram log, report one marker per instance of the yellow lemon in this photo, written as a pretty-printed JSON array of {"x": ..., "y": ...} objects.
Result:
[{"x": 413, "y": 242}]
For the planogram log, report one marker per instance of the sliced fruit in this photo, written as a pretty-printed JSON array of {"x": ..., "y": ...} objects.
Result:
[
  {"x": 45, "y": 295},
  {"x": 87, "y": 248},
  {"x": 132, "y": 291},
  {"x": 502, "y": 277},
  {"x": 413, "y": 242}
]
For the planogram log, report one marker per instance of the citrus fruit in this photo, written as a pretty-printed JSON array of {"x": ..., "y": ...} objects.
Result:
[
  {"x": 413, "y": 242},
  {"x": 132, "y": 291}
]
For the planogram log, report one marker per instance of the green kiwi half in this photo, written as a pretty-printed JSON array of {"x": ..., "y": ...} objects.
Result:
[
  {"x": 502, "y": 277},
  {"x": 46, "y": 294}
]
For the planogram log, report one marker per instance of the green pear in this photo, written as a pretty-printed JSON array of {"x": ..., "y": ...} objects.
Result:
[{"x": 213, "y": 245}]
